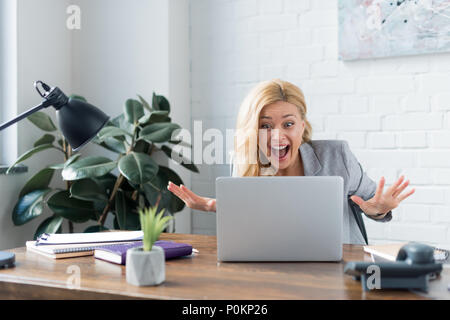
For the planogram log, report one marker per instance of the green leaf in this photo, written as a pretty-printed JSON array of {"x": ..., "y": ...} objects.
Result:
[
  {"x": 72, "y": 159},
  {"x": 45, "y": 139},
  {"x": 129, "y": 186},
  {"x": 132, "y": 222},
  {"x": 121, "y": 209},
  {"x": 158, "y": 132},
  {"x": 50, "y": 225},
  {"x": 121, "y": 122},
  {"x": 145, "y": 104},
  {"x": 70, "y": 208},
  {"x": 39, "y": 181},
  {"x": 88, "y": 189},
  {"x": 116, "y": 145},
  {"x": 138, "y": 167},
  {"x": 112, "y": 144},
  {"x": 133, "y": 110},
  {"x": 158, "y": 185},
  {"x": 160, "y": 225},
  {"x": 125, "y": 212},
  {"x": 29, "y": 206},
  {"x": 77, "y": 97},
  {"x": 42, "y": 121},
  {"x": 110, "y": 131},
  {"x": 68, "y": 162},
  {"x": 126, "y": 216},
  {"x": 141, "y": 146},
  {"x": 152, "y": 225},
  {"x": 106, "y": 182},
  {"x": 97, "y": 228},
  {"x": 181, "y": 143},
  {"x": 153, "y": 117},
  {"x": 30, "y": 153},
  {"x": 160, "y": 103},
  {"x": 99, "y": 206},
  {"x": 88, "y": 167},
  {"x": 187, "y": 163}
]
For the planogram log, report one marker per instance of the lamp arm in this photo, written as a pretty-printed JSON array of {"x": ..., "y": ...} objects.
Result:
[{"x": 44, "y": 104}]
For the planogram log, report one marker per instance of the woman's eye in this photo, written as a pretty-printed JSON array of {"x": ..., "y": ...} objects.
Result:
[
  {"x": 265, "y": 126},
  {"x": 288, "y": 124}
]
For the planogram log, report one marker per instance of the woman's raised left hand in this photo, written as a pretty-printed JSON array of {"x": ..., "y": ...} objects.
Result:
[{"x": 383, "y": 202}]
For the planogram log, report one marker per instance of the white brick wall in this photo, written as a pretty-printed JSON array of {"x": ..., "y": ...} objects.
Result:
[
  {"x": 416, "y": 139},
  {"x": 394, "y": 112}
]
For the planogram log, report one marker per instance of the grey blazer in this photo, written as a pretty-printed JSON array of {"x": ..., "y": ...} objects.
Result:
[{"x": 334, "y": 158}]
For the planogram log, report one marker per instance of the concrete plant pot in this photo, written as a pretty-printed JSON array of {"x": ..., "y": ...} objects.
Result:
[{"x": 145, "y": 268}]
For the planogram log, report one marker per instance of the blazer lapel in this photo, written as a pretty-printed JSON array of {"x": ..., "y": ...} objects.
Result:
[{"x": 311, "y": 164}]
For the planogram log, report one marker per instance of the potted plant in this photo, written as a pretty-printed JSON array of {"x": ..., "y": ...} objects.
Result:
[
  {"x": 145, "y": 266},
  {"x": 98, "y": 186}
]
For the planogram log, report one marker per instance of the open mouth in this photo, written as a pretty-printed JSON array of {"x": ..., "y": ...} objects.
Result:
[{"x": 280, "y": 151}]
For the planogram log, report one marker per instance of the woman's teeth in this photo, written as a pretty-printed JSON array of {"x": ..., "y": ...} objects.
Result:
[{"x": 280, "y": 151}]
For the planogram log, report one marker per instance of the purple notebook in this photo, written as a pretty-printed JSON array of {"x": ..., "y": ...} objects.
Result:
[{"x": 117, "y": 253}]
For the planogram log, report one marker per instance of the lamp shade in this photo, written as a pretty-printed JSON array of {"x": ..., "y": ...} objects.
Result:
[{"x": 80, "y": 121}]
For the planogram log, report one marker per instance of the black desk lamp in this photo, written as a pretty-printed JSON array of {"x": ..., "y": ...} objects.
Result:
[{"x": 79, "y": 121}]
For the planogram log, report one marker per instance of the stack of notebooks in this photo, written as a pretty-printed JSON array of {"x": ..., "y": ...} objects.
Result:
[{"x": 108, "y": 246}]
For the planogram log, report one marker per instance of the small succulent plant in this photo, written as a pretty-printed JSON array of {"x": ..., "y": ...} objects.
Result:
[{"x": 152, "y": 225}]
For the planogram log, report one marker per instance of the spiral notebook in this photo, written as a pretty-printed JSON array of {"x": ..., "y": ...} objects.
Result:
[
  {"x": 83, "y": 238},
  {"x": 69, "y": 245},
  {"x": 67, "y": 250}
]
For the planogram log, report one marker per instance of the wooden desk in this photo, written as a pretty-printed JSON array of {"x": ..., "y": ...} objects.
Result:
[{"x": 199, "y": 277}]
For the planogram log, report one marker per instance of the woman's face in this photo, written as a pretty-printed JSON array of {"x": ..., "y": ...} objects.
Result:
[{"x": 283, "y": 143}]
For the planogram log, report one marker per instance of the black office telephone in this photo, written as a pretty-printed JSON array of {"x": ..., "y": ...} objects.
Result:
[{"x": 414, "y": 267}]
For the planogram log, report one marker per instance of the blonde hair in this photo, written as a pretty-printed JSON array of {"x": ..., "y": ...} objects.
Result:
[{"x": 263, "y": 94}]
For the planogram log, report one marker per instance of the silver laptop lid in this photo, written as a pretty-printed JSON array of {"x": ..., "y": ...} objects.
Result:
[{"x": 279, "y": 218}]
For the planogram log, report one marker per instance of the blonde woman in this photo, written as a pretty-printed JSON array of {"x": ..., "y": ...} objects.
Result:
[{"x": 279, "y": 106}]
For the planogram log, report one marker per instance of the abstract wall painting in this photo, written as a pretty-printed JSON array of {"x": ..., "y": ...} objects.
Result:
[{"x": 386, "y": 28}]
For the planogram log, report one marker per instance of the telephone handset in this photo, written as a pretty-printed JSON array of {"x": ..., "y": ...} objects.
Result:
[
  {"x": 415, "y": 265},
  {"x": 416, "y": 253}
]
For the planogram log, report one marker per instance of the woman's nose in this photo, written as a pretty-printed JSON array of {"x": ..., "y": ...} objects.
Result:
[{"x": 276, "y": 135}]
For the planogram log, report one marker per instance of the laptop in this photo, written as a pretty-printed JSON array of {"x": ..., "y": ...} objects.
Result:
[{"x": 279, "y": 218}]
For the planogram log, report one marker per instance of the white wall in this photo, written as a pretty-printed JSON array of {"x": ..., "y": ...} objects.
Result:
[
  {"x": 42, "y": 53},
  {"x": 394, "y": 112},
  {"x": 123, "y": 48},
  {"x": 8, "y": 77},
  {"x": 179, "y": 92}
]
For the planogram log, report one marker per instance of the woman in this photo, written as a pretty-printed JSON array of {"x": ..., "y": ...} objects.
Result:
[{"x": 279, "y": 107}]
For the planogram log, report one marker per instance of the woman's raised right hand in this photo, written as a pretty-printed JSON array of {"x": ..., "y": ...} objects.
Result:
[{"x": 192, "y": 200}]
